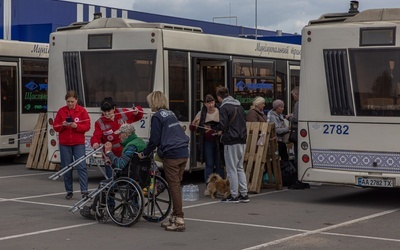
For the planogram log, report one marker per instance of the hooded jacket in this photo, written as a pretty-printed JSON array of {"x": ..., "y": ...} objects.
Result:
[{"x": 232, "y": 122}]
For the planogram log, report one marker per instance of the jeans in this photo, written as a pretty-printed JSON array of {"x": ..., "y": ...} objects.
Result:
[
  {"x": 211, "y": 158},
  {"x": 109, "y": 171},
  {"x": 68, "y": 155}
]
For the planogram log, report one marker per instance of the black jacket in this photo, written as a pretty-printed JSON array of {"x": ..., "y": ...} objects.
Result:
[{"x": 232, "y": 122}]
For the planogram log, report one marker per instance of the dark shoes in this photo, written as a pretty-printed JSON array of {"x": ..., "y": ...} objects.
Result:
[
  {"x": 230, "y": 199},
  {"x": 84, "y": 195},
  {"x": 69, "y": 196},
  {"x": 243, "y": 199},
  {"x": 299, "y": 185},
  {"x": 87, "y": 212}
]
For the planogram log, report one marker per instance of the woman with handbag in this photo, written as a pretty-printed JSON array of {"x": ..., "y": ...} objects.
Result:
[
  {"x": 282, "y": 133},
  {"x": 209, "y": 141}
]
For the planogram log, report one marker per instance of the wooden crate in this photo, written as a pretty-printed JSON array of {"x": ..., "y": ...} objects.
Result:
[
  {"x": 37, "y": 158},
  {"x": 261, "y": 139}
]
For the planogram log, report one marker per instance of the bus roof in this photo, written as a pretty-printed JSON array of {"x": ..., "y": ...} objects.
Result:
[
  {"x": 392, "y": 14},
  {"x": 127, "y": 23}
]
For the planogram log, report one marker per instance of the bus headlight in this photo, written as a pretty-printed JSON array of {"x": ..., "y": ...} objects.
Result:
[{"x": 304, "y": 145}]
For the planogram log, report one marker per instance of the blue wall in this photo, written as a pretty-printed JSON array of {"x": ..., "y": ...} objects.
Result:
[{"x": 34, "y": 20}]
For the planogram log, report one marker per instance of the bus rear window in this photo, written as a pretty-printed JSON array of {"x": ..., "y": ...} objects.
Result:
[
  {"x": 376, "y": 81},
  {"x": 127, "y": 76}
]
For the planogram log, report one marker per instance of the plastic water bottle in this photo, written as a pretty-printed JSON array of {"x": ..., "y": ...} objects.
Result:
[
  {"x": 185, "y": 193},
  {"x": 195, "y": 192},
  {"x": 190, "y": 192}
]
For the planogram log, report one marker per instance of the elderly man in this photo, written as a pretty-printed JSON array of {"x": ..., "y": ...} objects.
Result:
[{"x": 131, "y": 144}]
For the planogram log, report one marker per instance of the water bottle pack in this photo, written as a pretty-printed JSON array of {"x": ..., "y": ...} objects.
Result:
[{"x": 190, "y": 192}]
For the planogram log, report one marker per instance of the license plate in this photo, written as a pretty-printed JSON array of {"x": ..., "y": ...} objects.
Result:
[{"x": 374, "y": 182}]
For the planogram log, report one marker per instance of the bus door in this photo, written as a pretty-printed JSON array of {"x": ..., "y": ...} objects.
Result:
[
  {"x": 208, "y": 75},
  {"x": 294, "y": 81},
  {"x": 9, "y": 115}
]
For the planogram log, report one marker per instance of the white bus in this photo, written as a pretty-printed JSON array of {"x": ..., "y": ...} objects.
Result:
[
  {"x": 349, "y": 109},
  {"x": 23, "y": 81},
  {"x": 127, "y": 60}
]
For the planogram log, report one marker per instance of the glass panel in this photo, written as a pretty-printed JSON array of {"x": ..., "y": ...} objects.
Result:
[
  {"x": 213, "y": 76},
  {"x": 254, "y": 78},
  {"x": 8, "y": 79},
  {"x": 178, "y": 84},
  {"x": 379, "y": 36},
  {"x": 34, "y": 86},
  {"x": 127, "y": 76},
  {"x": 376, "y": 81}
]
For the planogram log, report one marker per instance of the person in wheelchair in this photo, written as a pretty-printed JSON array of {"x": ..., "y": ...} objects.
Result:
[{"x": 131, "y": 144}]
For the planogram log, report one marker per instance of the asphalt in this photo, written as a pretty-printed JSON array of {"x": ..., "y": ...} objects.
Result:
[{"x": 35, "y": 215}]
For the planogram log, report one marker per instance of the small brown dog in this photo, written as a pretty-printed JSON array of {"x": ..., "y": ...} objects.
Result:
[{"x": 217, "y": 185}]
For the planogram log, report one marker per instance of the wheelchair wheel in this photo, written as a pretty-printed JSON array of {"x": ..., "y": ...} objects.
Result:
[
  {"x": 101, "y": 215},
  {"x": 158, "y": 204},
  {"x": 124, "y": 202}
]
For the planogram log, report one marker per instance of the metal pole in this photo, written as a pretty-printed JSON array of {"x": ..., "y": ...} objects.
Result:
[{"x": 256, "y": 19}]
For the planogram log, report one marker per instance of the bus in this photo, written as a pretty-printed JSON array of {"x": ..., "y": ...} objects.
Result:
[
  {"x": 23, "y": 81},
  {"x": 128, "y": 59},
  {"x": 349, "y": 108}
]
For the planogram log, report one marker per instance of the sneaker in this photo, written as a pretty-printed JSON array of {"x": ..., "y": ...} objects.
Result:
[
  {"x": 178, "y": 225},
  {"x": 169, "y": 221},
  {"x": 87, "y": 212},
  {"x": 230, "y": 199},
  {"x": 244, "y": 199},
  {"x": 84, "y": 195},
  {"x": 206, "y": 192},
  {"x": 69, "y": 196}
]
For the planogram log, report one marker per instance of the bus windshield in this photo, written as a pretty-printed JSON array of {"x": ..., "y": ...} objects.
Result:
[{"x": 126, "y": 76}]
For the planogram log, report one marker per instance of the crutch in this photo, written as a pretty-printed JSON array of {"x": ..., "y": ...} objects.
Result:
[
  {"x": 63, "y": 171},
  {"x": 91, "y": 195}
]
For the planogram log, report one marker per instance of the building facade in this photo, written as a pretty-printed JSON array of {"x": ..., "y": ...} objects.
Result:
[{"x": 27, "y": 20}]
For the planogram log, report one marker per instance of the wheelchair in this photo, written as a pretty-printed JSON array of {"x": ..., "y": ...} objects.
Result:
[{"x": 137, "y": 191}]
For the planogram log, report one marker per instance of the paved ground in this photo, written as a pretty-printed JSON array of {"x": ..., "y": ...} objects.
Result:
[{"x": 35, "y": 215}]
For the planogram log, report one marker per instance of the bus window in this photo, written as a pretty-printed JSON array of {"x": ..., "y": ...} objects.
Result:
[
  {"x": 34, "y": 86},
  {"x": 376, "y": 81},
  {"x": 127, "y": 76},
  {"x": 178, "y": 84},
  {"x": 253, "y": 78}
]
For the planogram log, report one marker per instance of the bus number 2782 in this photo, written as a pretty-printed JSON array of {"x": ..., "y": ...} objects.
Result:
[{"x": 336, "y": 129}]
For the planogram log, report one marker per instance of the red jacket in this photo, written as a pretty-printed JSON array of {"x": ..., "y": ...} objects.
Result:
[
  {"x": 72, "y": 136},
  {"x": 104, "y": 129}
]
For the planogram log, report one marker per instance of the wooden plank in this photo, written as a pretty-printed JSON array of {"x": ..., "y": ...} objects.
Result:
[
  {"x": 252, "y": 147},
  {"x": 53, "y": 166},
  {"x": 42, "y": 164},
  {"x": 36, "y": 134},
  {"x": 39, "y": 144},
  {"x": 258, "y": 170}
]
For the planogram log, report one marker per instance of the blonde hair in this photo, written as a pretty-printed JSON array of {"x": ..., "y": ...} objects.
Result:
[
  {"x": 256, "y": 101},
  {"x": 157, "y": 100}
]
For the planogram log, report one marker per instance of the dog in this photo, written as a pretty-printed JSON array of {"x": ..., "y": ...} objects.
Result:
[{"x": 217, "y": 185}]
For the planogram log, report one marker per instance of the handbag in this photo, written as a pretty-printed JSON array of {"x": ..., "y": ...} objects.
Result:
[
  {"x": 285, "y": 137},
  {"x": 293, "y": 135}
]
